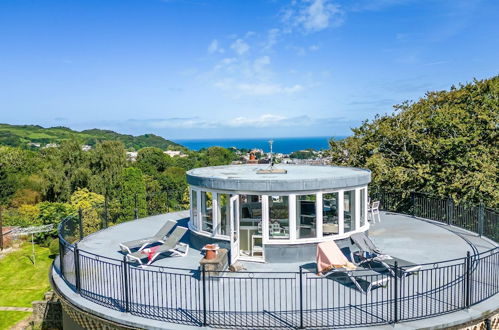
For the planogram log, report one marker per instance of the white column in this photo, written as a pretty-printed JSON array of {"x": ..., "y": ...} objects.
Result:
[
  {"x": 265, "y": 218},
  {"x": 318, "y": 214},
  {"x": 366, "y": 198},
  {"x": 357, "y": 208},
  {"x": 199, "y": 225},
  {"x": 341, "y": 207},
  {"x": 216, "y": 214},
  {"x": 292, "y": 217}
]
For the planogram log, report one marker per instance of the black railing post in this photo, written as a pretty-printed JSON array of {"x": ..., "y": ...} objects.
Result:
[
  {"x": 396, "y": 294},
  {"x": 467, "y": 283},
  {"x": 204, "y": 297},
  {"x": 80, "y": 222},
  {"x": 106, "y": 212},
  {"x": 136, "y": 211},
  {"x": 77, "y": 268},
  {"x": 481, "y": 213},
  {"x": 61, "y": 257},
  {"x": 450, "y": 208},
  {"x": 413, "y": 204},
  {"x": 301, "y": 298},
  {"x": 125, "y": 285}
]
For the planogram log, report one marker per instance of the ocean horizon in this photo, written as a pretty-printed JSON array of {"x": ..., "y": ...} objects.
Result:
[{"x": 282, "y": 145}]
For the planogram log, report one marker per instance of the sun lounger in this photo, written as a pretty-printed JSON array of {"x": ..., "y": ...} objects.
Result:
[
  {"x": 369, "y": 254},
  {"x": 171, "y": 245},
  {"x": 333, "y": 264},
  {"x": 142, "y": 243}
]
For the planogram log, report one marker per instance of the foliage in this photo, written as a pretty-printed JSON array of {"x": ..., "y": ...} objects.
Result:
[
  {"x": 22, "y": 135},
  {"x": 131, "y": 196},
  {"x": 153, "y": 161},
  {"x": 54, "y": 247},
  {"x": 91, "y": 206},
  {"x": 107, "y": 164},
  {"x": 302, "y": 154},
  {"x": 446, "y": 144}
]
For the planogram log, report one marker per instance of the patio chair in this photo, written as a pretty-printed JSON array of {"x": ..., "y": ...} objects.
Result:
[
  {"x": 333, "y": 263},
  {"x": 369, "y": 254},
  {"x": 142, "y": 243},
  {"x": 171, "y": 245},
  {"x": 373, "y": 211}
]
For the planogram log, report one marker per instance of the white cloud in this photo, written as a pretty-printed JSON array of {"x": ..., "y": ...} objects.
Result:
[
  {"x": 314, "y": 15},
  {"x": 268, "y": 89},
  {"x": 272, "y": 38},
  {"x": 214, "y": 47},
  {"x": 261, "y": 121},
  {"x": 260, "y": 63},
  {"x": 240, "y": 47}
]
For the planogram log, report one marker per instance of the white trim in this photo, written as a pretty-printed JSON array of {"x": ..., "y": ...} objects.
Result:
[
  {"x": 341, "y": 207},
  {"x": 265, "y": 219},
  {"x": 292, "y": 217},
  {"x": 357, "y": 208},
  {"x": 319, "y": 218}
]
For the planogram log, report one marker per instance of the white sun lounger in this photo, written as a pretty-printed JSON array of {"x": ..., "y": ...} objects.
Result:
[{"x": 142, "y": 243}]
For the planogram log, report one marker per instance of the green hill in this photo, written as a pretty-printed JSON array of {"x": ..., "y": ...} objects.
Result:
[{"x": 23, "y": 135}]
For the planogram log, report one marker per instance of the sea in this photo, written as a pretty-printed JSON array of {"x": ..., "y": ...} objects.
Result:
[{"x": 285, "y": 145}]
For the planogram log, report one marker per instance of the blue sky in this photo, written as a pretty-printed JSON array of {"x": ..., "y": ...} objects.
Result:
[{"x": 217, "y": 69}]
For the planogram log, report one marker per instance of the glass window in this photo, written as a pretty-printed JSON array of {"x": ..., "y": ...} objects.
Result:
[
  {"x": 363, "y": 206},
  {"x": 194, "y": 207},
  {"x": 250, "y": 223},
  {"x": 224, "y": 223},
  {"x": 306, "y": 217},
  {"x": 278, "y": 217},
  {"x": 206, "y": 212},
  {"x": 349, "y": 210},
  {"x": 330, "y": 225}
]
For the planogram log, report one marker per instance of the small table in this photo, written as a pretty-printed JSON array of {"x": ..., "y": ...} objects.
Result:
[{"x": 329, "y": 228}]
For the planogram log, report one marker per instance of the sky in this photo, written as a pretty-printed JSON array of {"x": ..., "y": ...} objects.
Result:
[{"x": 235, "y": 69}]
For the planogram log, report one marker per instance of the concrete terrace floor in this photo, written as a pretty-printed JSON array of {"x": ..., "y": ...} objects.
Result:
[
  {"x": 158, "y": 294},
  {"x": 402, "y": 236}
]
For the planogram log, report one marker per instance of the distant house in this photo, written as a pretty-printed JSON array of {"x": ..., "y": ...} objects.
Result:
[
  {"x": 7, "y": 237},
  {"x": 34, "y": 144},
  {"x": 132, "y": 155},
  {"x": 175, "y": 153},
  {"x": 50, "y": 145},
  {"x": 86, "y": 147}
]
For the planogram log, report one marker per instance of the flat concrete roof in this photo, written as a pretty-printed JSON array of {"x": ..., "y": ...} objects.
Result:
[{"x": 297, "y": 178}]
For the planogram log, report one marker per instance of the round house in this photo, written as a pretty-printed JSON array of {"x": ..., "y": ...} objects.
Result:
[{"x": 279, "y": 214}]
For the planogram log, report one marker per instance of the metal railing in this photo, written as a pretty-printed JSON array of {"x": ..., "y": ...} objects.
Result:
[{"x": 298, "y": 299}]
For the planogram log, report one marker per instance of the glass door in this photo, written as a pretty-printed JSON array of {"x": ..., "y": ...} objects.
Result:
[{"x": 234, "y": 228}]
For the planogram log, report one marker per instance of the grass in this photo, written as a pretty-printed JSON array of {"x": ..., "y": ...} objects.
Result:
[
  {"x": 21, "y": 282},
  {"x": 8, "y": 319}
]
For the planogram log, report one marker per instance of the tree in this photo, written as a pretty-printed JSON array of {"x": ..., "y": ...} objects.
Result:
[
  {"x": 66, "y": 170},
  {"x": 153, "y": 161},
  {"x": 107, "y": 163},
  {"x": 173, "y": 182},
  {"x": 445, "y": 144},
  {"x": 91, "y": 206},
  {"x": 131, "y": 195}
]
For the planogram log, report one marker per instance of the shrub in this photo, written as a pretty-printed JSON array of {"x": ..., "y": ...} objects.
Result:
[{"x": 54, "y": 247}]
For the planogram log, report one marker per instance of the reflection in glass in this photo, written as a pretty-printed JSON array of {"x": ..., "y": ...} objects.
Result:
[
  {"x": 279, "y": 217},
  {"x": 306, "y": 217},
  {"x": 206, "y": 212},
  {"x": 330, "y": 204},
  {"x": 349, "y": 210},
  {"x": 224, "y": 223}
]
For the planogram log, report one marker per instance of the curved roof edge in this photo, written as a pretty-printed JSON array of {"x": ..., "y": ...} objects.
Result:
[{"x": 333, "y": 177}]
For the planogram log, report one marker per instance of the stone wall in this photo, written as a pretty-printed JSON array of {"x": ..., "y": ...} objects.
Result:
[{"x": 47, "y": 313}]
